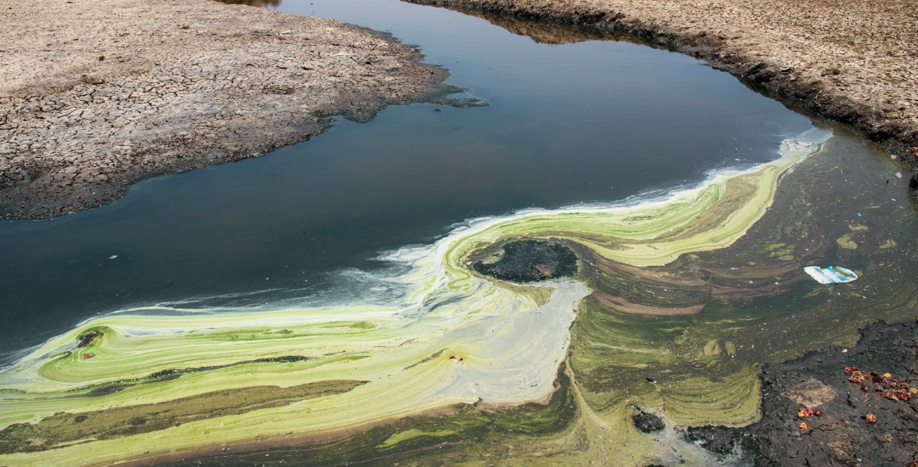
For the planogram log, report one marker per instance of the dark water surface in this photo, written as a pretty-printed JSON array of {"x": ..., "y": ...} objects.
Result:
[{"x": 592, "y": 121}]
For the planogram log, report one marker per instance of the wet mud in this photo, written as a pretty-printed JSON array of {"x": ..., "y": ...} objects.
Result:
[
  {"x": 814, "y": 412},
  {"x": 844, "y": 433},
  {"x": 720, "y": 440},
  {"x": 647, "y": 422}
]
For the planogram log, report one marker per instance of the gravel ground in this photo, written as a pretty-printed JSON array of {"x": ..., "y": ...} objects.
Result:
[
  {"x": 97, "y": 94},
  {"x": 852, "y": 61}
]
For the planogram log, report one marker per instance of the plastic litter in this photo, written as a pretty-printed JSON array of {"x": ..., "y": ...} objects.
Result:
[{"x": 831, "y": 274}]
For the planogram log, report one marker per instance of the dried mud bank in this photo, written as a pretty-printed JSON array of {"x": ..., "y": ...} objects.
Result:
[
  {"x": 853, "y": 62},
  {"x": 95, "y": 95}
]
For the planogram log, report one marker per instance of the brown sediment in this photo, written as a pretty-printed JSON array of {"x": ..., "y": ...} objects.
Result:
[
  {"x": 95, "y": 95},
  {"x": 625, "y": 306},
  {"x": 687, "y": 285},
  {"x": 849, "y": 61},
  {"x": 810, "y": 393}
]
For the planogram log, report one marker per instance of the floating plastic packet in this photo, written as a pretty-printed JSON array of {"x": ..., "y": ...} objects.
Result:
[{"x": 831, "y": 274}]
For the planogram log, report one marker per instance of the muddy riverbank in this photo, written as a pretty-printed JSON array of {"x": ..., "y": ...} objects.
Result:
[
  {"x": 97, "y": 95},
  {"x": 848, "y": 61}
]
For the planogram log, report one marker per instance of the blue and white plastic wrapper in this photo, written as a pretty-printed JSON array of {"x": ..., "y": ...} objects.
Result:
[{"x": 831, "y": 274}]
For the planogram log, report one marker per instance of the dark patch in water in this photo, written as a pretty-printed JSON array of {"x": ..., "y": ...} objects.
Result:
[
  {"x": 108, "y": 389},
  {"x": 531, "y": 261},
  {"x": 88, "y": 338},
  {"x": 282, "y": 359},
  {"x": 719, "y": 439},
  {"x": 647, "y": 423}
]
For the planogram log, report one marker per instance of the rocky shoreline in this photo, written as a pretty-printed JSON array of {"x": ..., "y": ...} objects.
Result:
[
  {"x": 96, "y": 95},
  {"x": 847, "y": 61}
]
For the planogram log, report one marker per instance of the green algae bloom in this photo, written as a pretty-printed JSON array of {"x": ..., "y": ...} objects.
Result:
[{"x": 656, "y": 318}]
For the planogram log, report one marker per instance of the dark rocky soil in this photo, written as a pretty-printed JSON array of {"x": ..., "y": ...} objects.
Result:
[
  {"x": 842, "y": 433},
  {"x": 530, "y": 261},
  {"x": 720, "y": 439}
]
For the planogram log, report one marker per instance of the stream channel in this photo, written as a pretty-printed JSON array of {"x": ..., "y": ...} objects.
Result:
[
  {"x": 586, "y": 122},
  {"x": 580, "y": 123}
]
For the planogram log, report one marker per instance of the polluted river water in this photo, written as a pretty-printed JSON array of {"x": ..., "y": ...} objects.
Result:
[{"x": 322, "y": 305}]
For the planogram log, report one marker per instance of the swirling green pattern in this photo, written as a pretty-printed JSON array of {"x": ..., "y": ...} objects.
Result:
[{"x": 196, "y": 381}]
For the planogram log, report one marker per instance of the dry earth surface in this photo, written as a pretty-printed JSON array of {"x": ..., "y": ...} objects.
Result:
[
  {"x": 97, "y": 94},
  {"x": 852, "y": 61}
]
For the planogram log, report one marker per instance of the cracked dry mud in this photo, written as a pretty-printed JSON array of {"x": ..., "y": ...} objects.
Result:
[{"x": 95, "y": 95}]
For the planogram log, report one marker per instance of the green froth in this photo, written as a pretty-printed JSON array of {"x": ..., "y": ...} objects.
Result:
[{"x": 674, "y": 299}]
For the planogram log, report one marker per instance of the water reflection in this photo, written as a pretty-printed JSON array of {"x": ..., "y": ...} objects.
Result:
[
  {"x": 542, "y": 32},
  {"x": 260, "y": 3}
]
